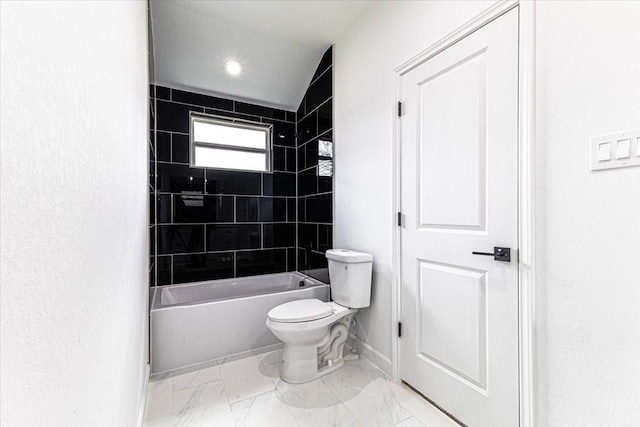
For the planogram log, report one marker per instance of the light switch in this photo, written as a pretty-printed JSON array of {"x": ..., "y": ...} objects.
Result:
[
  {"x": 614, "y": 151},
  {"x": 622, "y": 149},
  {"x": 604, "y": 152}
]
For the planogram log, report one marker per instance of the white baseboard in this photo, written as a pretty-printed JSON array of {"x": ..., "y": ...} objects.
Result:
[
  {"x": 143, "y": 398},
  {"x": 370, "y": 353},
  {"x": 214, "y": 362}
]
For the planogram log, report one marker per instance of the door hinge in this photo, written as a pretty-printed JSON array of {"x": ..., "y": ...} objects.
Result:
[
  {"x": 399, "y": 219},
  {"x": 399, "y": 329},
  {"x": 399, "y": 109}
]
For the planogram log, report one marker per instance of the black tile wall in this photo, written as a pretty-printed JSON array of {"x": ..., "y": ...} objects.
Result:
[
  {"x": 198, "y": 267},
  {"x": 250, "y": 263},
  {"x": 222, "y": 237},
  {"x": 279, "y": 184},
  {"x": 153, "y": 267},
  {"x": 192, "y": 208},
  {"x": 179, "y": 148},
  {"x": 279, "y": 235},
  {"x": 162, "y": 92},
  {"x": 315, "y": 192},
  {"x": 262, "y": 209},
  {"x": 179, "y": 239},
  {"x": 177, "y": 178},
  {"x": 228, "y": 182},
  {"x": 163, "y": 146},
  {"x": 201, "y": 100},
  {"x": 213, "y": 224},
  {"x": 174, "y": 117}
]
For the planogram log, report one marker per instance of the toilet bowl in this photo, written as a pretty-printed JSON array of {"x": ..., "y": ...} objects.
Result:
[
  {"x": 314, "y": 332},
  {"x": 313, "y": 346}
]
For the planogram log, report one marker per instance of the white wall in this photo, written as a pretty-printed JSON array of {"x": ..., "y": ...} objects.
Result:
[
  {"x": 588, "y": 224},
  {"x": 387, "y": 35},
  {"x": 588, "y": 292},
  {"x": 74, "y": 251}
]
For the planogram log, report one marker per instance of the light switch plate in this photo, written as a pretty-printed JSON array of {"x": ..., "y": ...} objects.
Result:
[
  {"x": 623, "y": 147},
  {"x": 619, "y": 150}
]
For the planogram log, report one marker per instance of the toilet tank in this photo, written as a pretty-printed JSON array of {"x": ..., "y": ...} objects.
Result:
[{"x": 350, "y": 277}]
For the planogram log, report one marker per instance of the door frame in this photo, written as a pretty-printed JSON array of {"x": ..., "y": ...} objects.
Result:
[{"x": 526, "y": 191}]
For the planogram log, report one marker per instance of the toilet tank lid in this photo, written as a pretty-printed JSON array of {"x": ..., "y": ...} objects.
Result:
[
  {"x": 303, "y": 310},
  {"x": 345, "y": 255}
]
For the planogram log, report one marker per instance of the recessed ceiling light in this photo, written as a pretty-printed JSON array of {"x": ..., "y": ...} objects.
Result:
[{"x": 232, "y": 67}]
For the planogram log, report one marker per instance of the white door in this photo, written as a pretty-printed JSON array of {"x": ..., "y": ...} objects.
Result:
[{"x": 459, "y": 344}]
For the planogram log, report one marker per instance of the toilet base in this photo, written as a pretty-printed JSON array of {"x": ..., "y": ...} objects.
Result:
[{"x": 304, "y": 363}]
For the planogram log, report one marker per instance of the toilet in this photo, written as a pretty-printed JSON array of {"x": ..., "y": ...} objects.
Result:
[{"x": 313, "y": 331}]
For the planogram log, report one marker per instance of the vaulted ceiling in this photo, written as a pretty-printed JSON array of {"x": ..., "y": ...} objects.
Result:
[{"x": 279, "y": 44}]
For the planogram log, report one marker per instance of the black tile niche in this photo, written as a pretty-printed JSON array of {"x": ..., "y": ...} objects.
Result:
[{"x": 214, "y": 224}]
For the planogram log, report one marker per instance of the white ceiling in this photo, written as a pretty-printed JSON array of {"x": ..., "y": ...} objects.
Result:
[{"x": 279, "y": 44}]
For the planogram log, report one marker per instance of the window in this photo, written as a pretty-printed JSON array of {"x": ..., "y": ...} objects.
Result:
[{"x": 221, "y": 143}]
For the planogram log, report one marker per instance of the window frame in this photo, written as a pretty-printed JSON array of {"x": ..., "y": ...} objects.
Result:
[{"x": 234, "y": 123}]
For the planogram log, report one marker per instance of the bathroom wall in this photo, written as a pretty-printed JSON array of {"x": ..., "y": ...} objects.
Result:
[
  {"x": 386, "y": 35},
  {"x": 587, "y": 293},
  {"x": 73, "y": 209},
  {"x": 315, "y": 171},
  {"x": 214, "y": 224},
  {"x": 588, "y": 224}
]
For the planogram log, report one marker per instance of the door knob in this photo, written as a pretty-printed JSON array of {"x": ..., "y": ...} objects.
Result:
[{"x": 498, "y": 254}]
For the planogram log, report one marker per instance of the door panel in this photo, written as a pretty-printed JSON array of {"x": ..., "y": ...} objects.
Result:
[
  {"x": 459, "y": 194},
  {"x": 452, "y": 149},
  {"x": 452, "y": 323}
]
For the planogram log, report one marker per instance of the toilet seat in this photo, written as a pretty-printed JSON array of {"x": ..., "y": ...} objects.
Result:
[{"x": 304, "y": 310}]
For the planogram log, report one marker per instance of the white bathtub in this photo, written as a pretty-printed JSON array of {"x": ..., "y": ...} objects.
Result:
[{"x": 200, "y": 322}]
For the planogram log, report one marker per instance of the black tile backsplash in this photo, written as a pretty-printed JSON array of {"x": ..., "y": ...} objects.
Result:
[{"x": 213, "y": 224}]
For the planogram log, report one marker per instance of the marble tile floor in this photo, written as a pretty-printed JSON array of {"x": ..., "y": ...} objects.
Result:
[{"x": 248, "y": 393}]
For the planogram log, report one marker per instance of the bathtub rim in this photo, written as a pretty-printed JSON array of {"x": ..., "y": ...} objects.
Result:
[{"x": 157, "y": 291}]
